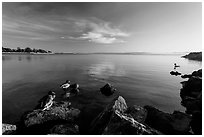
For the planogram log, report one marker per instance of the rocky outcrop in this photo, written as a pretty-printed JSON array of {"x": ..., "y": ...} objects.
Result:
[
  {"x": 177, "y": 123},
  {"x": 118, "y": 119},
  {"x": 194, "y": 56},
  {"x": 41, "y": 122},
  {"x": 194, "y": 74},
  {"x": 191, "y": 95},
  {"x": 107, "y": 90}
]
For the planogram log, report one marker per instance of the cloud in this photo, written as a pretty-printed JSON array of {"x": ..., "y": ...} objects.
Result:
[{"x": 98, "y": 31}]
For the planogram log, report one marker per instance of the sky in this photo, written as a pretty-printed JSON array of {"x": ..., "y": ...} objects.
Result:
[{"x": 103, "y": 27}]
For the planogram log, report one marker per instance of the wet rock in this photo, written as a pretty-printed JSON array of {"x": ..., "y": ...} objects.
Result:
[
  {"x": 176, "y": 123},
  {"x": 115, "y": 120},
  {"x": 194, "y": 56},
  {"x": 65, "y": 129},
  {"x": 175, "y": 73},
  {"x": 8, "y": 129},
  {"x": 59, "y": 111},
  {"x": 107, "y": 90}
]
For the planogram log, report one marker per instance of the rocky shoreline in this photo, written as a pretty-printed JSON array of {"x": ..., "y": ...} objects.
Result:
[
  {"x": 117, "y": 118},
  {"x": 194, "y": 56}
]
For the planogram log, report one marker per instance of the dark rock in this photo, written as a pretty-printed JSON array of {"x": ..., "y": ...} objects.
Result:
[
  {"x": 196, "y": 123},
  {"x": 176, "y": 123},
  {"x": 191, "y": 95},
  {"x": 8, "y": 129},
  {"x": 176, "y": 73},
  {"x": 186, "y": 76},
  {"x": 59, "y": 111},
  {"x": 138, "y": 113},
  {"x": 107, "y": 90},
  {"x": 192, "y": 87},
  {"x": 197, "y": 73},
  {"x": 194, "y": 56},
  {"x": 115, "y": 120},
  {"x": 66, "y": 129}
]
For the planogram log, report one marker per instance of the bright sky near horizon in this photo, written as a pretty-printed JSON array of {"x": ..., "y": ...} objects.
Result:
[{"x": 103, "y": 27}]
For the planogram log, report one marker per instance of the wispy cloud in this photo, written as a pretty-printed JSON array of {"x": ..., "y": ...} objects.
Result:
[
  {"x": 98, "y": 31},
  {"x": 89, "y": 29}
]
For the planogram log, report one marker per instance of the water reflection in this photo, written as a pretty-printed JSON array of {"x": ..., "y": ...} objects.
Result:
[
  {"x": 105, "y": 70},
  {"x": 6, "y": 58},
  {"x": 28, "y": 58}
]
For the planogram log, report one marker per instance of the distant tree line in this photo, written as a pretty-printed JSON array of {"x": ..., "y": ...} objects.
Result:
[{"x": 27, "y": 50}]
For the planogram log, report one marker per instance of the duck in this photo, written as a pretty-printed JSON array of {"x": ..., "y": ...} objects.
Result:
[
  {"x": 47, "y": 101},
  {"x": 176, "y": 65},
  {"x": 65, "y": 85}
]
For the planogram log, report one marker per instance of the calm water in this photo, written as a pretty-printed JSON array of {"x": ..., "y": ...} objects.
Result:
[{"x": 140, "y": 79}]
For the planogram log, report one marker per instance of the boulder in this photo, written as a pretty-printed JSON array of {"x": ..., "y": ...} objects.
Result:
[
  {"x": 176, "y": 123},
  {"x": 115, "y": 120},
  {"x": 40, "y": 122},
  {"x": 65, "y": 129},
  {"x": 107, "y": 90}
]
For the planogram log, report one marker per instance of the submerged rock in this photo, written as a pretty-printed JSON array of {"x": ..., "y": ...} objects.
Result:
[
  {"x": 107, "y": 90},
  {"x": 176, "y": 123},
  {"x": 115, "y": 120}
]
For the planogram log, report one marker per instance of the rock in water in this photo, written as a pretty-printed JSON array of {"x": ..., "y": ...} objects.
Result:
[
  {"x": 176, "y": 123},
  {"x": 40, "y": 122},
  {"x": 107, "y": 90},
  {"x": 115, "y": 120},
  {"x": 176, "y": 73}
]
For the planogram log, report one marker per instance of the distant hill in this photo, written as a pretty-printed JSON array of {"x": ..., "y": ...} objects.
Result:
[{"x": 194, "y": 56}]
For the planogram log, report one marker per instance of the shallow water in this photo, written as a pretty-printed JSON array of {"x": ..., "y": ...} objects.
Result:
[{"x": 140, "y": 79}]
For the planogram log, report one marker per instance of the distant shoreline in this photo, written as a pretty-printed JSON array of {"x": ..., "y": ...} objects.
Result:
[
  {"x": 97, "y": 53},
  {"x": 25, "y": 53}
]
